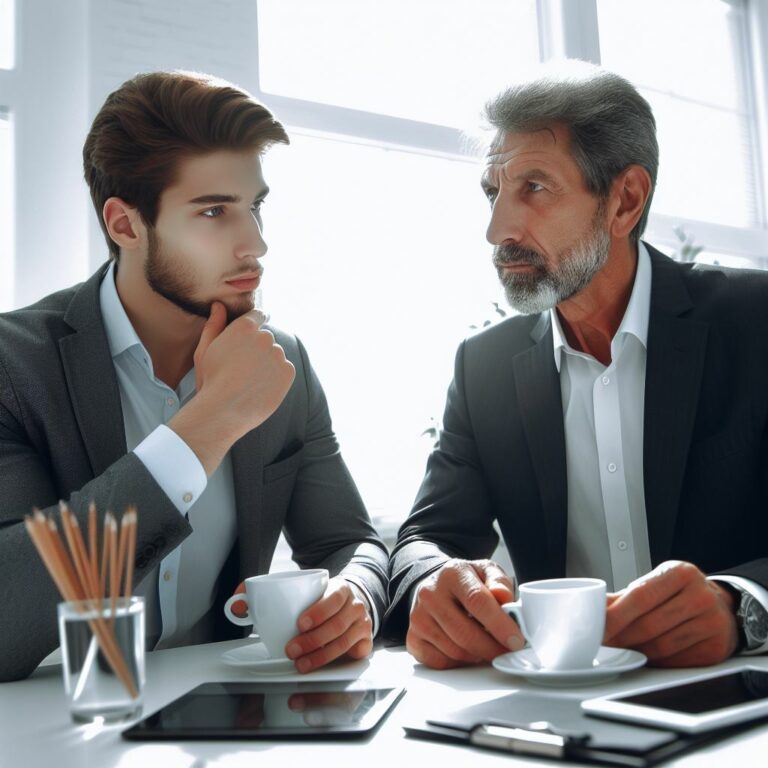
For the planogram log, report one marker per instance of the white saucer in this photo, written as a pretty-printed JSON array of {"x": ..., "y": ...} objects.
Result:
[
  {"x": 609, "y": 663},
  {"x": 255, "y": 657}
]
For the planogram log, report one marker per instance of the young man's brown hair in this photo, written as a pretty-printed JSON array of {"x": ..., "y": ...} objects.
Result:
[{"x": 155, "y": 120}]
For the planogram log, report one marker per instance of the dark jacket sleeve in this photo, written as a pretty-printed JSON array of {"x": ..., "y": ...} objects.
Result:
[
  {"x": 327, "y": 525},
  {"x": 28, "y": 597},
  {"x": 452, "y": 515}
]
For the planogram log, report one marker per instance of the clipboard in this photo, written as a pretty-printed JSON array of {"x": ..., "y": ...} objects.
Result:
[{"x": 554, "y": 727}]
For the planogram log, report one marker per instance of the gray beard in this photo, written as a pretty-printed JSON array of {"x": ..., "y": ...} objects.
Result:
[{"x": 543, "y": 289}]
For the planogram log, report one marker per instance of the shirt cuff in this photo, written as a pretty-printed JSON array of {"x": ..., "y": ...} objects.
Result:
[
  {"x": 174, "y": 466},
  {"x": 366, "y": 595},
  {"x": 757, "y": 591}
]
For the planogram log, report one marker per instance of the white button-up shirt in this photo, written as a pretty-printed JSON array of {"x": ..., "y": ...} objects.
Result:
[
  {"x": 181, "y": 590},
  {"x": 603, "y": 409}
]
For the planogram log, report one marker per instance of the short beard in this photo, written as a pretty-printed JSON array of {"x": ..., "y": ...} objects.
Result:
[
  {"x": 542, "y": 289},
  {"x": 174, "y": 281}
]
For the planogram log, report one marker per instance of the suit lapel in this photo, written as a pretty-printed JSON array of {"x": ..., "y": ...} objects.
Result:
[
  {"x": 91, "y": 379},
  {"x": 541, "y": 411},
  {"x": 674, "y": 365}
]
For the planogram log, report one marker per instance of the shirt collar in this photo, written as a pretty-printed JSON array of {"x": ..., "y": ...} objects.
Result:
[
  {"x": 634, "y": 322},
  {"x": 120, "y": 333}
]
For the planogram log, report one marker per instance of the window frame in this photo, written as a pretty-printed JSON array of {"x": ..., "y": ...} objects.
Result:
[{"x": 569, "y": 28}]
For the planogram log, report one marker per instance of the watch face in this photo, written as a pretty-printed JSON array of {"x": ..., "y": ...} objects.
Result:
[{"x": 755, "y": 622}]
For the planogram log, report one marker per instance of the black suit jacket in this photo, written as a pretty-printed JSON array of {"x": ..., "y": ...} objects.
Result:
[
  {"x": 62, "y": 437},
  {"x": 501, "y": 454}
]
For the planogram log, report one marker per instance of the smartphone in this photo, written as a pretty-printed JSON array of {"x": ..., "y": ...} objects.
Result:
[{"x": 694, "y": 705}]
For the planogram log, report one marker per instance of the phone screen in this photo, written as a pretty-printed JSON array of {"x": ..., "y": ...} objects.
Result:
[{"x": 703, "y": 696}]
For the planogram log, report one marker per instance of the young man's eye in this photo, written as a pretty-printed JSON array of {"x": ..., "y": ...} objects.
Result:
[
  {"x": 213, "y": 213},
  {"x": 256, "y": 207}
]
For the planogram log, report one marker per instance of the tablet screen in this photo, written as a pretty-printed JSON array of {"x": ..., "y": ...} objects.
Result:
[
  {"x": 702, "y": 696},
  {"x": 258, "y": 710}
]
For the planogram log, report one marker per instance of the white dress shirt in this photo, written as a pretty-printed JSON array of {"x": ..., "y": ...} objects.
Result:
[
  {"x": 181, "y": 590},
  {"x": 603, "y": 410}
]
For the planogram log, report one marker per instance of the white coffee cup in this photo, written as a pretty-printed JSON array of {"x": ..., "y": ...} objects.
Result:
[
  {"x": 562, "y": 619},
  {"x": 275, "y": 602}
]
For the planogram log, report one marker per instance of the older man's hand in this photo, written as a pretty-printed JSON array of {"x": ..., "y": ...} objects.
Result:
[
  {"x": 675, "y": 616},
  {"x": 456, "y": 616}
]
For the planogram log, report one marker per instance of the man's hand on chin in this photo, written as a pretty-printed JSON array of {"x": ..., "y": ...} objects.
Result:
[
  {"x": 675, "y": 616},
  {"x": 338, "y": 624}
]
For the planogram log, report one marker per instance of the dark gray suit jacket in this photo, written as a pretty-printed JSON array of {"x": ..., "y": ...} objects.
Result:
[
  {"x": 62, "y": 437},
  {"x": 501, "y": 454}
]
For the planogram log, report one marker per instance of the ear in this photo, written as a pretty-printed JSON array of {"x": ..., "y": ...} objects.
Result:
[
  {"x": 123, "y": 223},
  {"x": 630, "y": 191}
]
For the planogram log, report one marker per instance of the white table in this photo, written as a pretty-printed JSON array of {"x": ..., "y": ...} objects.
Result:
[{"x": 35, "y": 729}]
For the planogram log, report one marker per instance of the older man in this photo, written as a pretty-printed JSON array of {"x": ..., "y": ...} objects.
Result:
[{"x": 616, "y": 428}]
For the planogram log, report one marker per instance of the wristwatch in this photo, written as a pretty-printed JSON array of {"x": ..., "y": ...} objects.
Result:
[{"x": 752, "y": 622}]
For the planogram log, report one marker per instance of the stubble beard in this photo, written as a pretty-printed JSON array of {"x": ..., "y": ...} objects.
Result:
[
  {"x": 543, "y": 288},
  {"x": 174, "y": 281}
]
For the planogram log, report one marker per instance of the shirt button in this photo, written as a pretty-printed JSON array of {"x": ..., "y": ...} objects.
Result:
[
  {"x": 170, "y": 401},
  {"x": 167, "y": 576},
  {"x": 622, "y": 545},
  {"x": 606, "y": 379},
  {"x": 611, "y": 467},
  {"x": 187, "y": 497}
]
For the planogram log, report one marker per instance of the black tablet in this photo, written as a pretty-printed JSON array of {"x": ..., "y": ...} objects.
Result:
[{"x": 269, "y": 711}]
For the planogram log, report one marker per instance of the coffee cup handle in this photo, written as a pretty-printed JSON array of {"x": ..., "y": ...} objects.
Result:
[
  {"x": 515, "y": 611},
  {"x": 245, "y": 621}
]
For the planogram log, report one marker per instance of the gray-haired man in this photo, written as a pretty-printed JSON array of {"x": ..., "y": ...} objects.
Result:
[{"x": 617, "y": 428}]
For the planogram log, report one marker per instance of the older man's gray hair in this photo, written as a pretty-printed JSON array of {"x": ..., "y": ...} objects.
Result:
[{"x": 611, "y": 124}]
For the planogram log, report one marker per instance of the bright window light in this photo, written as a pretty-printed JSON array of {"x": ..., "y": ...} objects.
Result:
[
  {"x": 435, "y": 61},
  {"x": 698, "y": 90},
  {"x": 6, "y": 213},
  {"x": 378, "y": 262},
  {"x": 7, "y": 30}
]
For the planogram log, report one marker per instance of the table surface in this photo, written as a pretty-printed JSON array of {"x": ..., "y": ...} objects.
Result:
[{"x": 35, "y": 729}]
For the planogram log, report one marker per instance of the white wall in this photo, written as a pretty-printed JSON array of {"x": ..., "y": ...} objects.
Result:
[{"x": 47, "y": 94}]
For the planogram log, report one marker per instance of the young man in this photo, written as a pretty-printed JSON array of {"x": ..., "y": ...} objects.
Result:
[
  {"x": 155, "y": 383},
  {"x": 617, "y": 428}
]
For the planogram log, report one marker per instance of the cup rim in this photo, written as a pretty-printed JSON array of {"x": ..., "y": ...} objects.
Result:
[
  {"x": 287, "y": 575},
  {"x": 82, "y": 609},
  {"x": 545, "y": 586}
]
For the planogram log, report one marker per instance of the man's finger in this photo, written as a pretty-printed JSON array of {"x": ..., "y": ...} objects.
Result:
[
  {"x": 464, "y": 632},
  {"x": 336, "y": 596},
  {"x": 478, "y": 601},
  {"x": 500, "y": 585},
  {"x": 424, "y": 629},
  {"x": 240, "y": 607},
  {"x": 646, "y": 594},
  {"x": 216, "y": 323},
  {"x": 693, "y": 600}
]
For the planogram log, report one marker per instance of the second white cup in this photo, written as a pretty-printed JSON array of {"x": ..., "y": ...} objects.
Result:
[
  {"x": 275, "y": 602},
  {"x": 562, "y": 619}
]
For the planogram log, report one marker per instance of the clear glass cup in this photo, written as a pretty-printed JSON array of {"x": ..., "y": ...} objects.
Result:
[{"x": 103, "y": 659}]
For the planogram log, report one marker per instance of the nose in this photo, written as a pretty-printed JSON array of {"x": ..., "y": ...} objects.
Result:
[
  {"x": 506, "y": 224},
  {"x": 251, "y": 243}
]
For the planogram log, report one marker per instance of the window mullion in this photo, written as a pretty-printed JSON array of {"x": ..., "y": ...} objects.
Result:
[
  {"x": 757, "y": 84},
  {"x": 568, "y": 29}
]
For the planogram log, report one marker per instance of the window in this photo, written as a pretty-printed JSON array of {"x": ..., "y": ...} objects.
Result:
[
  {"x": 6, "y": 212},
  {"x": 376, "y": 224},
  {"x": 376, "y": 221},
  {"x": 432, "y": 61},
  {"x": 708, "y": 169},
  {"x": 7, "y": 28}
]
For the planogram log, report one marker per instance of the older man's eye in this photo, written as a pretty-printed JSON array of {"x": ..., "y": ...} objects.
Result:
[{"x": 534, "y": 186}]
